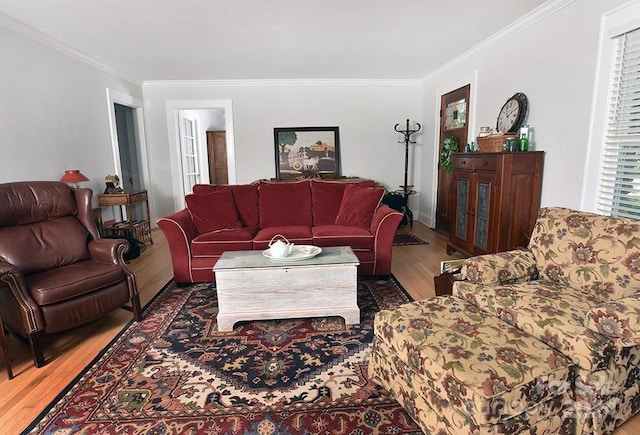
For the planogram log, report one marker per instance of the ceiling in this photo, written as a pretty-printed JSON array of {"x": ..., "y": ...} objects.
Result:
[{"x": 269, "y": 39}]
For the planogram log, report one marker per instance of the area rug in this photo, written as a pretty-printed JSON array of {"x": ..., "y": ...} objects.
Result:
[
  {"x": 175, "y": 373},
  {"x": 401, "y": 239}
]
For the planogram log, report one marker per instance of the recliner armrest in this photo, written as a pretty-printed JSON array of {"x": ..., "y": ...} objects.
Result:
[
  {"x": 108, "y": 250},
  {"x": 501, "y": 268},
  {"x": 26, "y": 317}
]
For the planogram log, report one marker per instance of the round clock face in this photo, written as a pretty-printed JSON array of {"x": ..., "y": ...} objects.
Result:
[{"x": 512, "y": 114}]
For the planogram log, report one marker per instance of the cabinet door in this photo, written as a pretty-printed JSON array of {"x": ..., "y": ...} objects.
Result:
[
  {"x": 454, "y": 113},
  {"x": 483, "y": 212},
  {"x": 462, "y": 222}
]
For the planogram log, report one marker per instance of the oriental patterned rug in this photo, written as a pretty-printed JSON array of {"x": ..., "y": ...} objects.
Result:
[
  {"x": 402, "y": 239},
  {"x": 175, "y": 373}
]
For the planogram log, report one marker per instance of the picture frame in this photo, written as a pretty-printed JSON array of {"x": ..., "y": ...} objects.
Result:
[
  {"x": 307, "y": 152},
  {"x": 451, "y": 266}
]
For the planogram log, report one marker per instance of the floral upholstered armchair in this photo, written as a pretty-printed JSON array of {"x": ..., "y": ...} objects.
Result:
[
  {"x": 543, "y": 340},
  {"x": 577, "y": 289}
]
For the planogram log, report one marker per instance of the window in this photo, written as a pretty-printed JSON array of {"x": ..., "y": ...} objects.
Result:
[{"x": 619, "y": 187}]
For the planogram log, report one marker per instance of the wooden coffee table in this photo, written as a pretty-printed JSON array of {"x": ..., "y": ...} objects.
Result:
[{"x": 253, "y": 287}]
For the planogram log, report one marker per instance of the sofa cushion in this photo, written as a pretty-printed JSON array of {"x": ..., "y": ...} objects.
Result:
[
  {"x": 298, "y": 234},
  {"x": 358, "y": 206},
  {"x": 598, "y": 254},
  {"x": 214, "y": 243},
  {"x": 44, "y": 245},
  {"x": 213, "y": 211},
  {"x": 326, "y": 197},
  {"x": 552, "y": 313},
  {"x": 339, "y": 235},
  {"x": 35, "y": 201},
  {"x": 619, "y": 319},
  {"x": 283, "y": 204},
  {"x": 245, "y": 197},
  {"x": 73, "y": 280},
  {"x": 472, "y": 360}
]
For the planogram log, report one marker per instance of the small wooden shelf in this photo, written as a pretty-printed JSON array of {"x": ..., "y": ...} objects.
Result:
[{"x": 139, "y": 229}]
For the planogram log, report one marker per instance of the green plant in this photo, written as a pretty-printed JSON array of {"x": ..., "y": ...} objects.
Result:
[{"x": 449, "y": 145}]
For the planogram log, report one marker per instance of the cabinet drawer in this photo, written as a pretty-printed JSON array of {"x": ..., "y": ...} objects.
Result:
[
  {"x": 462, "y": 162},
  {"x": 138, "y": 196},
  {"x": 485, "y": 163}
]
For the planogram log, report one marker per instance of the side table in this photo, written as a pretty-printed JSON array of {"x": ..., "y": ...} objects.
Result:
[
  {"x": 443, "y": 283},
  {"x": 5, "y": 350},
  {"x": 138, "y": 229}
]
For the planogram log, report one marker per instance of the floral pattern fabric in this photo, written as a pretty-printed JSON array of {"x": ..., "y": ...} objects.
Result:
[
  {"x": 469, "y": 366},
  {"x": 570, "y": 302},
  {"x": 607, "y": 398},
  {"x": 619, "y": 319},
  {"x": 551, "y": 313},
  {"x": 501, "y": 268},
  {"x": 598, "y": 254}
]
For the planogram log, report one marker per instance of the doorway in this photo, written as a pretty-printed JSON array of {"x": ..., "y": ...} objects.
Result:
[
  {"x": 217, "y": 153},
  {"x": 210, "y": 115},
  {"x": 454, "y": 122},
  {"x": 131, "y": 173}
]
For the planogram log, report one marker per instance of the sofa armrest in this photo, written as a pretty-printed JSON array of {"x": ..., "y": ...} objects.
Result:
[
  {"x": 501, "y": 268},
  {"x": 618, "y": 320},
  {"x": 179, "y": 230},
  {"x": 383, "y": 227}
]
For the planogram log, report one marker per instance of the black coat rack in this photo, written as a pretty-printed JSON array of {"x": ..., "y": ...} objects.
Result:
[{"x": 407, "y": 132}]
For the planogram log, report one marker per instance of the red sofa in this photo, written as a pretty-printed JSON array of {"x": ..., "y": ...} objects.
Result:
[{"x": 221, "y": 218}]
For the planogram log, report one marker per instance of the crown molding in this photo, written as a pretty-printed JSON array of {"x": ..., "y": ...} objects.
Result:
[
  {"x": 521, "y": 24},
  {"x": 51, "y": 42},
  {"x": 278, "y": 82}
]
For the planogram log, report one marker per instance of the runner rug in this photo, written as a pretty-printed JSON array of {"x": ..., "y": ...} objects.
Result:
[
  {"x": 401, "y": 239},
  {"x": 175, "y": 373}
]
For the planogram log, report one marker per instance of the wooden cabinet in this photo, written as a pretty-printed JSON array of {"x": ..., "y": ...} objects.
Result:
[
  {"x": 496, "y": 198},
  {"x": 134, "y": 223}
]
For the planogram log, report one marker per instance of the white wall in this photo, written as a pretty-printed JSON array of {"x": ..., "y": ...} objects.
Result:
[
  {"x": 53, "y": 113},
  {"x": 366, "y": 113},
  {"x": 553, "y": 61}
]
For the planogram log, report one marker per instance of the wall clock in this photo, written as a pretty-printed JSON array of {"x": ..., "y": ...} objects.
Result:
[{"x": 512, "y": 114}]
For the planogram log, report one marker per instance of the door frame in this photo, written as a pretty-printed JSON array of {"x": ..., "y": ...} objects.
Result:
[
  {"x": 173, "y": 108},
  {"x": 464, "y": 80},
  {"x": 137, "y": 104}
]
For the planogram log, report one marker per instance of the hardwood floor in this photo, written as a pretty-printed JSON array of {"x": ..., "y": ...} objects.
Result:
[{"x": 24, "y": 397}]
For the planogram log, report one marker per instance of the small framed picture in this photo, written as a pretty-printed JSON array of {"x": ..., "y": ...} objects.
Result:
[
  {"x": 307, "y": 152},
  {"x": 451, "y": 266}
]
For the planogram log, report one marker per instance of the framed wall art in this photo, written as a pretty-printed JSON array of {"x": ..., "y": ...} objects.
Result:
[{"x": 307, "y": 152}]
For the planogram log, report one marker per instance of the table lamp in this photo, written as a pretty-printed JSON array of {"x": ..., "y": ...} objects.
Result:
[{"x": 72, "y": 177}]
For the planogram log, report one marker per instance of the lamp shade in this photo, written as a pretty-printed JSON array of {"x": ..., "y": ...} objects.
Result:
[{"x": 73, "y": 177}]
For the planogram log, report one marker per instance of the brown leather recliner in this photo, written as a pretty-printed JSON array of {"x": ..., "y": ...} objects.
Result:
[{"x": 56, "y": 272}]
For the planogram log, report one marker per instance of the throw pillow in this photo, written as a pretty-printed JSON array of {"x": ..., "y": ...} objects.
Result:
[
  {"x": 213, "y": 211},
  {"x": 326, "y": 197},
  {"x": 618, "y": 319},
  {"x": 284, "y": 203},
  {"x": 245, "y": 197},
  {"x": 358, "y": 206}
]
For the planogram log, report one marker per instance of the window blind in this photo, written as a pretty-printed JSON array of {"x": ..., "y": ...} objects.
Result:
[{"x": 619, "y": 190}]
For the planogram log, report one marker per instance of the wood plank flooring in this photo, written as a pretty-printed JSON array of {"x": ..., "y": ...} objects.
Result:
[{"x": 24, "y": 397}]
